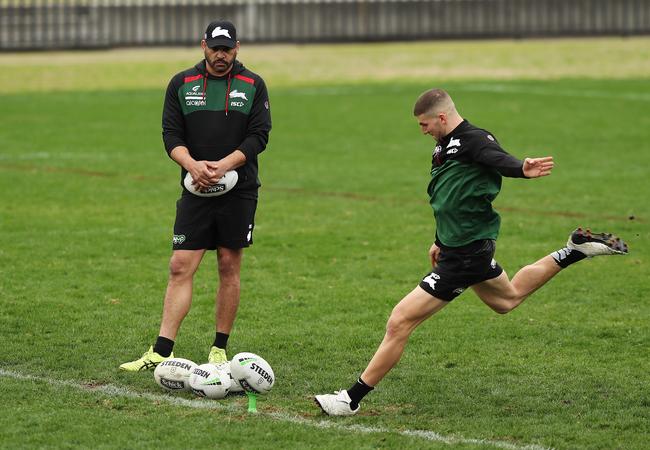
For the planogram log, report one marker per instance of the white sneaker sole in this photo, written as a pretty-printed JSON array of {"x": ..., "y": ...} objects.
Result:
[{"x": 595, "y": 244}]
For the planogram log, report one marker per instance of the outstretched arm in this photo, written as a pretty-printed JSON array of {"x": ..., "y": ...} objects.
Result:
[
  {"x": 509, "y": 166},
  {"x": 538, "y": 167}
]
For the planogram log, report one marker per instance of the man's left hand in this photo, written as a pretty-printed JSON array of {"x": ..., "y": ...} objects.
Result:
[
  {"x": 538, "y": 167},
  {"x": 218, "y": 170}
]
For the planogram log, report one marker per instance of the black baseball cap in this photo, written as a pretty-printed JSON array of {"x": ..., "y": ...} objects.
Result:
[{"x": 221, "y": 33}]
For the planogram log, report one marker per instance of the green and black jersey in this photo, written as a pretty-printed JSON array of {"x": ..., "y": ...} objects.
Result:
[
  {"x": 466, "y": 175},
  {"x": 214, "y": 116}
]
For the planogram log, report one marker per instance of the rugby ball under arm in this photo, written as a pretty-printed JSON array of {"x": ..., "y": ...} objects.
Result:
[{"x": 225, "y": 184}]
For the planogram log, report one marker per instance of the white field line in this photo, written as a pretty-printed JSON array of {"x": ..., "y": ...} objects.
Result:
[{"x": 116, "y": 391}]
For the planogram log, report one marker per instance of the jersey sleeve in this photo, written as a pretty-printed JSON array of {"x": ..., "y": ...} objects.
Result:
[
  {"x": 173, "y": 122},
  {"x": 259, "y": 124},
  {"x": 490, "y": 153}
]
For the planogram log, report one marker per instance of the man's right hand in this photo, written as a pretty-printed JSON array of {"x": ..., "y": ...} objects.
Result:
[
  {"x": 202, "y": 174},
  {"x": 434, "y": 254}
]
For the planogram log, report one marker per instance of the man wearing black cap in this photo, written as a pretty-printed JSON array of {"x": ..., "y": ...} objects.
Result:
[{"x": 216, "y": 120}]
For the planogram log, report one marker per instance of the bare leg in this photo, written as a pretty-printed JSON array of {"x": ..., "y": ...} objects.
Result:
[
  {"x": 178, "y": 298},
  {"x": 503, "y": 295},
  {"x": 411, "y": 311},
  {"x": 229, "y": 262}
]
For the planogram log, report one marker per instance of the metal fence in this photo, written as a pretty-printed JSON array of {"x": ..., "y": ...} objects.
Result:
[{"x": 67, "y": 24}]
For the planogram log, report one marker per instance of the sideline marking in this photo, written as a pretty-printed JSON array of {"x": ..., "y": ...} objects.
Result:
[{"x": 116, "y": 391}]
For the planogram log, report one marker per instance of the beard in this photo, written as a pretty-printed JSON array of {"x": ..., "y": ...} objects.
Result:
[{"x": 221, "y": 66}]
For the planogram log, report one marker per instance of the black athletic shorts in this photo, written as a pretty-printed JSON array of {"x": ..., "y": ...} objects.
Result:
[
  {"x": 211, "y": 222},
  {"x": 459, "y": 268}
]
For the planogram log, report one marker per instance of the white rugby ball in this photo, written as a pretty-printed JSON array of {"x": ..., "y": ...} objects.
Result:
[
  {"x": 252, "y": 372},
  {"x": 225, "y": 184},
  {"x": 234, "y": 384},
  {"x": 211, "y": 381},
  {"x": 173, "y": 374}
]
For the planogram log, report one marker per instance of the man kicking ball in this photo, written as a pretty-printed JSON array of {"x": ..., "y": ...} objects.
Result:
[{"x": 466, "y": 172}]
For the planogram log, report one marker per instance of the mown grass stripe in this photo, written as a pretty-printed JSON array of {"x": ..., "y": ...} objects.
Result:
[{"x": 532, "y": 90}]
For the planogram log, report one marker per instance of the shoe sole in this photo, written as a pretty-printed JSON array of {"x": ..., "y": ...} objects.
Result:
[{"x": 591, "y": 244}]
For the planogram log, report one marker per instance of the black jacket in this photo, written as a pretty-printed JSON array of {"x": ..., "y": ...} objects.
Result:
[{"x": 213, "y": 116}]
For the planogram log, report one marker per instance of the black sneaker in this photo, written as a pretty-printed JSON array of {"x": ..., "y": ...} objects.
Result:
[{"x": 594, "y": 244}]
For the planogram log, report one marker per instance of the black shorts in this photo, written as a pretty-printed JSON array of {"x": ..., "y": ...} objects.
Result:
[
  {"x": 459, "y": 268},
  {"x": 211, "y": 222}
]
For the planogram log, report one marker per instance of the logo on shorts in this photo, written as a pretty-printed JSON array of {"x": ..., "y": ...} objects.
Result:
[
  {"x": 458, "y": 290},
  {"x": 493, "y": 264},
  {"x": 178, "y": 239},
  {"x": 431, "y": 280}
]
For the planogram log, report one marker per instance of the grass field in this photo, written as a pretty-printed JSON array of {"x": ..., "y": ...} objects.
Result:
[{"x": 342, "y": 233}]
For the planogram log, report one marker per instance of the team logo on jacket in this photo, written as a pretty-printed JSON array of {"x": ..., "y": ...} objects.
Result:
[
  {"x": 453, "y": 143},
  {"x": 237, "y": 94},
  {"x": 234, "y": 95}
]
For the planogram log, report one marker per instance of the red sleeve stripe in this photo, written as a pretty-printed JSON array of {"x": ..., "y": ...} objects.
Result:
[
  {"x": 246, "y": 79},
  {"x": 192, "y": 78}
]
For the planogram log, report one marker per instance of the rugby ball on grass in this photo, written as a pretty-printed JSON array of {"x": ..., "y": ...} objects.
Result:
[
  {"x": 211, "y": 381},
  {"x": 235, "y": 387},
  {"x": 252, "y": 372},
  {"x": 173, "y": 374},
  {"x": 225, "y": 184}
]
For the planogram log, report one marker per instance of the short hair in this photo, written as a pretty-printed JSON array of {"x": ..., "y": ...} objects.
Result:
[{"x": 432, "y": 102}]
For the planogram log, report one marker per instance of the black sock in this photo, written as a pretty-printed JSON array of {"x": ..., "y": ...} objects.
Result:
[
  {"x": 163, "y": 346},
  {"x": 357, "y": 392},
  {"x": 564, "y": 257},
  {"x": 221, "y": 340}
]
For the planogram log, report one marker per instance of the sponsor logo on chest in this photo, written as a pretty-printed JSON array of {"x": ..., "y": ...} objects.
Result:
[{"x": 195, "y": 97}]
